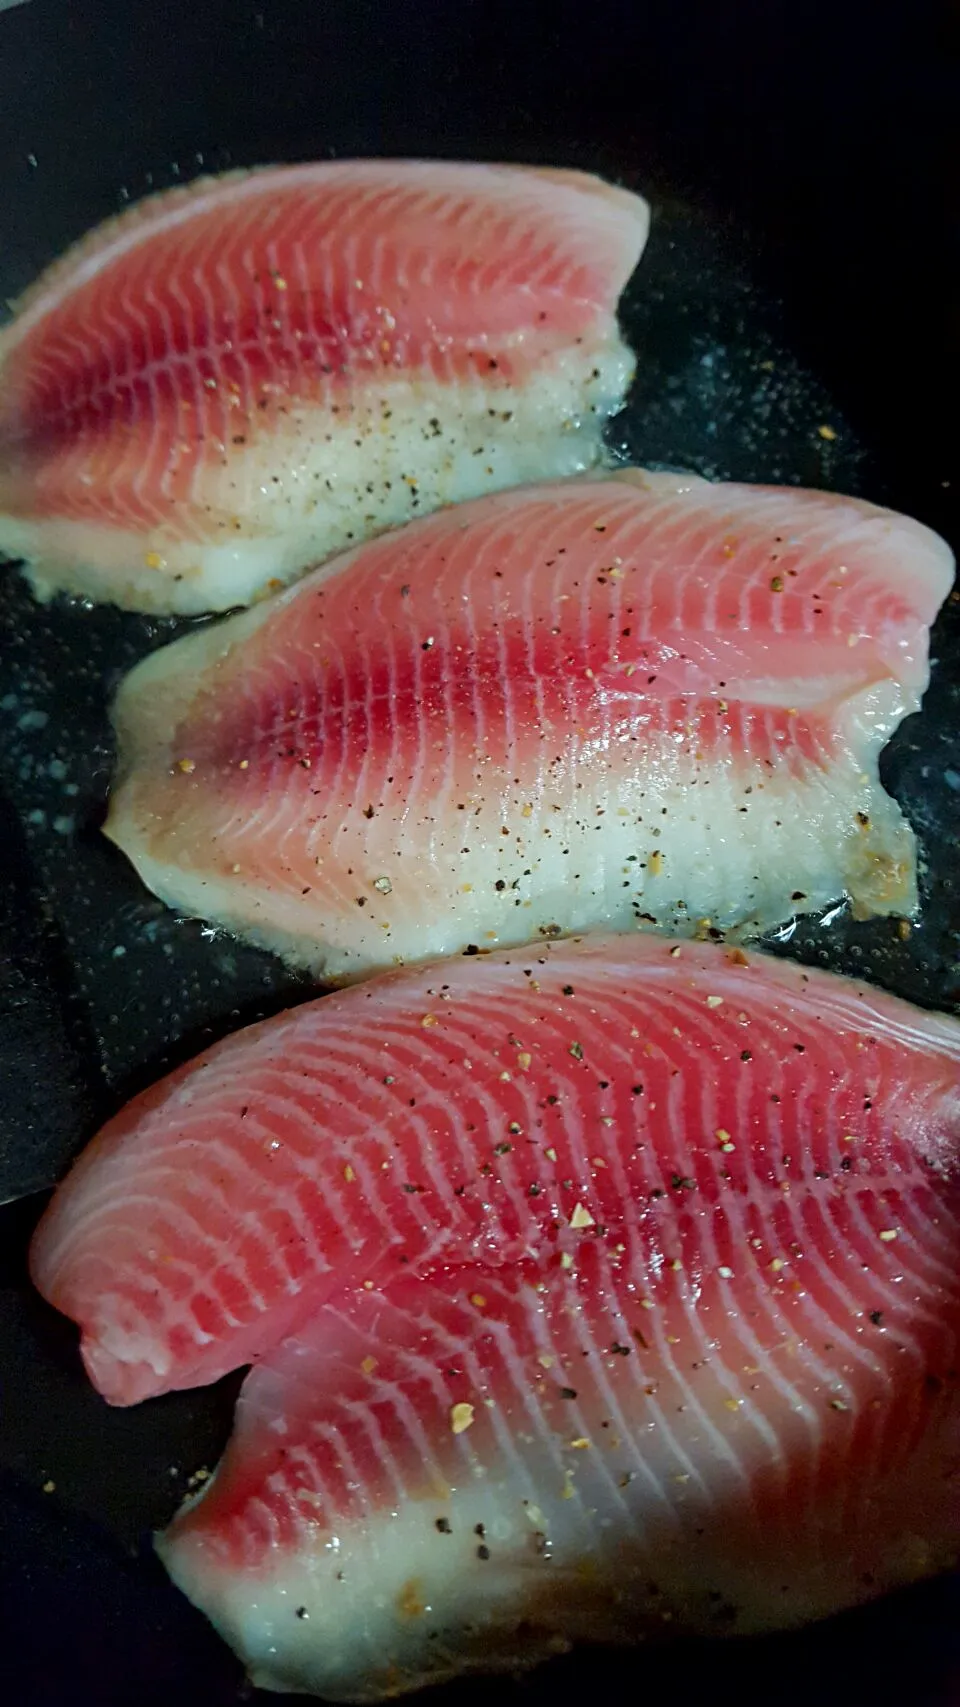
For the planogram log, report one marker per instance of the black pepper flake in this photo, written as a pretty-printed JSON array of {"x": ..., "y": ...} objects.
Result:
[
  {"x": 746, "y": 1055},
  {"x": 568, "y": 989},
  {"x": 480, "y": 1529},
  {"x": 368, "y": 812},
  {"x": 618, "y": 1350},
  {"x": 680, "y": 1182},
  {"x": 443, "y": 1526},
  {"x": 876, "y": 1317},
  {"x": 568, "y": 1392},
  {"x": 413, "y": 1190},
  {"x": 302, "y": 1612},
  {"x": 637, "y": 1090},
  {"x": 483, "y": 1552},
  {"x": 726, "y": 1614},
  {"x": 533, "y": 1190},
  {"x": 502, "y": 1149}
]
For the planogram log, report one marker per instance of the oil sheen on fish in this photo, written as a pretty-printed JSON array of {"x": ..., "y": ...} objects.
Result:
[
  {"x": 667, "y": 1102},
  {"x": 232, "y": 380},
  {"x": 630, "y": 699},
  {"x": 726, "y": 1421}
]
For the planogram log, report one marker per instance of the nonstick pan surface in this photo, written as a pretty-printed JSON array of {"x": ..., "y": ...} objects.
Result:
[{"x": 795, "y": 281}]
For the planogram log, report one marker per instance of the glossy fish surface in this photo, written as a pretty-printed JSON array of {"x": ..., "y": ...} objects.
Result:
[
  {"x": 476, "y": 1471},
  {"x": 230, "y": 381},
  {"x": 663, "y": 1102},
  {"x": 635, "y": 699}
]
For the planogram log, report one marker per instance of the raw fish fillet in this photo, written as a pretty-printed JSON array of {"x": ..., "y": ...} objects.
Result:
[
  {"x": 727, "y": 1421},
  {"x": 594, "y": 704},
  {"x": 230, "y": 381},
  {"x": 511, "y": 1107}
]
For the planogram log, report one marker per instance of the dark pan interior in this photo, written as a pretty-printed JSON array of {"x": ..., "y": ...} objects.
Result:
[{"x": 797, "y": 278}]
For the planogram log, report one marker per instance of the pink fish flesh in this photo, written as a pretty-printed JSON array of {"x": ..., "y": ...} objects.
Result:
[
  {"x": 230, "y": 381},
  {"x": 743, "y": 1421},
  {"x": 585, "y": 705},
  {"x": 664, "y": 1102}
]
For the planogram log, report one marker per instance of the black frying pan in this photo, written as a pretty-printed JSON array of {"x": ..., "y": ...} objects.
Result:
[{"x": 797, "y": 278}]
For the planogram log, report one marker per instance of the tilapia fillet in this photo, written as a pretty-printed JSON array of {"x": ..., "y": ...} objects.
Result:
[
  {"x": 232, "y": 380},
  {"x": 475, "y": 1472},
  {"x": 621, "y": 1292},
  {"x": 666, "y": 1102},
  {"x": 607, "y": 701}
]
